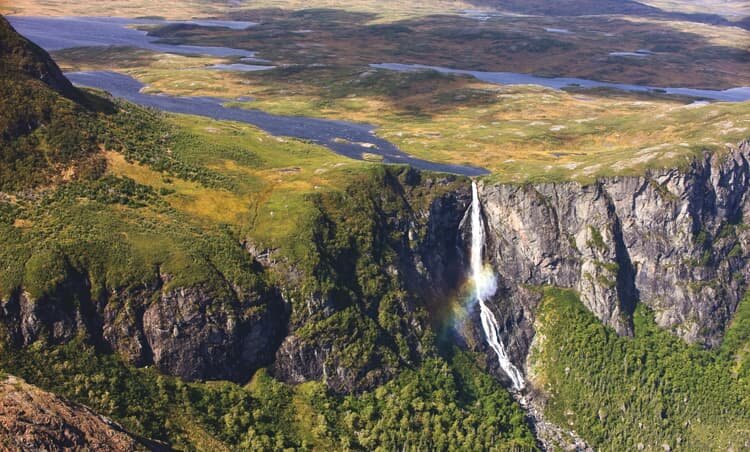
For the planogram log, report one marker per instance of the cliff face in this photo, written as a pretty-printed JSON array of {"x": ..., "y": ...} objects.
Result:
[
  {"x": 675, "y": 240},
  {"x": 384, "y": 259},
  {"x": 192, "y": 332}
]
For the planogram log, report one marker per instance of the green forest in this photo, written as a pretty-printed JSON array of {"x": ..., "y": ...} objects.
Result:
[{"x": 646, "y": 391}]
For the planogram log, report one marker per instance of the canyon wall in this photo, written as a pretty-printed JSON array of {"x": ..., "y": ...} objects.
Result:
[
  {"x": 194, "y": 332},
  {"x": 675, "y": 240}
]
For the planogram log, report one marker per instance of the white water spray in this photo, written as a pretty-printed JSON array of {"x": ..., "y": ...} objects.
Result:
[{"x": 485, "y": 286}]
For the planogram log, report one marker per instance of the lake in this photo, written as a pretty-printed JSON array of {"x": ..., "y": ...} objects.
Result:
[{"x": 739, "y": 94}]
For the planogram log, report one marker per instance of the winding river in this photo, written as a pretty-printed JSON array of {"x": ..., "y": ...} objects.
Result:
[{"x": 346, "y": 138}]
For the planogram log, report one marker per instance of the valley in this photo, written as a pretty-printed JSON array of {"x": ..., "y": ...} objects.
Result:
[{"x": 429, "y": 226}]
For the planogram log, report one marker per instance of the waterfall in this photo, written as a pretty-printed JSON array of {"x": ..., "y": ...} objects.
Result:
[{"x": 485, "y": 286}]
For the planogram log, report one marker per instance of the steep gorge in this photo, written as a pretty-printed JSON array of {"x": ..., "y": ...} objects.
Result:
[
  {"x": 383, "y": 260},
  {"x": 369, "y": 289}
]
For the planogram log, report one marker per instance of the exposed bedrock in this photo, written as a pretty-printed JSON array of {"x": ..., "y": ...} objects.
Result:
[
  {"x": 675, "y": 240},
  {"x": 192, "y": 332},
  {"x": 33, "y": 419}
]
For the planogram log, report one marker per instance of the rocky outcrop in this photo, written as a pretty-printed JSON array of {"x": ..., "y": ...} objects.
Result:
[
  {"x": 675, "y": 240},
  {"x": 32, "y": 419},
  {"x": 194, "y": 332}
]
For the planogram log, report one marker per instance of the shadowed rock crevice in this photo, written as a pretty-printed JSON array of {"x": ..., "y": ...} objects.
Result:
[{"x": 627, "y": 292}]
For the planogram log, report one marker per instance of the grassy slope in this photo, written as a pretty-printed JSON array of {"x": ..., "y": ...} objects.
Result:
[
  {"x": 650, "y": 390},
  {"x": 173, "y": 185}
]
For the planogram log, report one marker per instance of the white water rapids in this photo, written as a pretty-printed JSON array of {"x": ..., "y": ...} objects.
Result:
[{"x": 485, "y": 286}]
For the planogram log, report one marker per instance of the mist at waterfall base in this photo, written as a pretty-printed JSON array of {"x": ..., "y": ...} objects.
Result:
[{"x": 484, "y": 285}]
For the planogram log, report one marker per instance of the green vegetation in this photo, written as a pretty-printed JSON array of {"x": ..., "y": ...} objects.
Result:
[
  {"x": 596, "y": 242},
  {"x": 736, "y": 345},
  {"x": 347, "y": 248},
  {"x": 32, "y": 155},
  {"x": 143, "y": 136},
  {"x": 46, "y": 133},
  {"x": 440, "y": 405},
  {"x": 119, "y": 234},
  {"x": 649, "y": 390},
  {"x": 138, "y": 194}
]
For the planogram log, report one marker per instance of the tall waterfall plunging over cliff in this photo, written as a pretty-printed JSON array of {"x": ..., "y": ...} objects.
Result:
[{"x": 485, "y": 286}]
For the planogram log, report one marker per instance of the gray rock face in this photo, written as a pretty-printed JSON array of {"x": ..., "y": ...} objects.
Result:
[
  {"x": 194, "y": 335},
  {"x": 190, "y": 332},
  {"x": 675, "y": 240}
]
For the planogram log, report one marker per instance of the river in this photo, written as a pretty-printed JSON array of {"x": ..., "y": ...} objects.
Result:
[
  {"x": 346, "y": 138},
  {"x": 738, "y": 94}
]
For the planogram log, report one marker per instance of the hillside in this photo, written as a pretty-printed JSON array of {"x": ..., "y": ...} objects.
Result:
[
  {"x": 209, "y": 285},
  {"x": 22, "y": 59},
  {"x": 47, "y": 132},
  {"x": 159, "y": 261}
]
